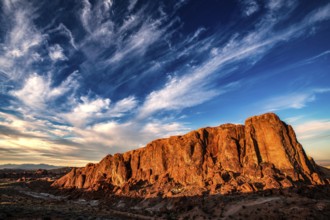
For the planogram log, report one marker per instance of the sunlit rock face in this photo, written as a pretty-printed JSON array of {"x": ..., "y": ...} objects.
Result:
[{"x": 262, "y": 154}]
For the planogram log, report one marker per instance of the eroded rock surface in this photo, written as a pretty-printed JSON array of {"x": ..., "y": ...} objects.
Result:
[{"x": 262, "y": 154}]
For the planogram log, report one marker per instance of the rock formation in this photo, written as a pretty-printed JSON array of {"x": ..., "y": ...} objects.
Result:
[{"x": 262, "y": 154}]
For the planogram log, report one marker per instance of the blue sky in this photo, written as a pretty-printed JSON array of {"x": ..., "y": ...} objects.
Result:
[{"x": 82, "y": 79}]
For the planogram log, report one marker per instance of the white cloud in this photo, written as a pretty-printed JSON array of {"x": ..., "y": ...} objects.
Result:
[
  {"x": 36, "y": 57},
  {"x": 6, "y": 63},
  {"x": 132, "y": 5},
  {"x": 161, "y": 129},
  {"x": 16, "y": 53},
  {"x": 249, "y": 7},
  {"x": 123, "y": 106},
  {"x": 195, "y": 36},
  {"x": 85, "y": 14},
  {"x": 24, "y": 36},
  {"x": 320, "y": 14},
  {"x": 37, "y": 138},
  {"x": 313, "y": 134},
  {"x": 108, "y": 135},
  {"x": 313, "y": 129},
  {"x": 37, "y": 91},
  {"x": 23, "y": 129},
  {"x": 293, "y": 100},
  {"x": 314, "y": 58},
  {"x": 64, "y": 31},
  {"x": 90, "y": 110},
  {"x": 181, "y": 92},
  {"x": 56, "y": 53},
  {"x": 34, "y": 93},
  {"x": 193, "y": 87},
  {"x": 92, "y": 106},
  {"x": 85, "y": 109},
  {"x": 138, "y": 42},
  {"x": 275, "y": 4},
  {"x": 96, "y": 20},
  {"x": 107, "y": 4},
  {"x": 127, "y": 135},
  {"x": 21, "y": 39},
  {"x": 178, "y": 93},
  {"x": 129, "y": 39},
  {"x": 293, "y": 119}
]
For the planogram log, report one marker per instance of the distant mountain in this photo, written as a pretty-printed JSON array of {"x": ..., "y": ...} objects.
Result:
[
  {"x": 29, "y": 166},
  {"x": 324, "y": 163}
]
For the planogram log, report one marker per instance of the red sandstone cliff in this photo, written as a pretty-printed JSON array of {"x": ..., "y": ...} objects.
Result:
[{"x": 264, "y": 153}]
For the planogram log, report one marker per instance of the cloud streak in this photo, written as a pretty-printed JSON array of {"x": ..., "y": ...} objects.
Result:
[
  {"x": 37, "y": 91},
  {"x": 313, "y": 129},
  {"x": 293, "y": 100}
]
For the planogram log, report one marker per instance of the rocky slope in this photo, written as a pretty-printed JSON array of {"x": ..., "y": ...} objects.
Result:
[{"x": 262, "y": 154}]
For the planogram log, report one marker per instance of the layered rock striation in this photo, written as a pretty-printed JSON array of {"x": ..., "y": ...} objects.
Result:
[{"x": 262, "y": 154}]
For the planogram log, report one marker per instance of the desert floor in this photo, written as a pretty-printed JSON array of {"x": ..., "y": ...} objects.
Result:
[{"x": 35, "y": 200}]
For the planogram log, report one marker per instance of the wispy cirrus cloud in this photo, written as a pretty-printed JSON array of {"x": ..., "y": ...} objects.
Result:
[
  {"x": 122, "y": 107},
  {"x": 22, "y": 38},
  {"x": 313, "y": 129},
  {"x": 179, "y": 92},
  {"x": 87, "y": 110},
  {"x": 130, "y": 38},
  {"x": 249, "y": 7},
  {"x": 56, "y": 53},
  {"x": 37, "y": 92},
  {"x": 63, "y": 30},
  {"x": 294, "y": 100},
  {"x": 314, "y": 134}
]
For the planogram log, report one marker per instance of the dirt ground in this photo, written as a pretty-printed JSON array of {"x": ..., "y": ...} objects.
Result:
[
  {"x": 35, "y": 200},
  {"x": 19, "y": 201}
]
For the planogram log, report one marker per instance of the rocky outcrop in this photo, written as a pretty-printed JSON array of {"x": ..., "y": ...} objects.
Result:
[{"x": 262, "y": 154}]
